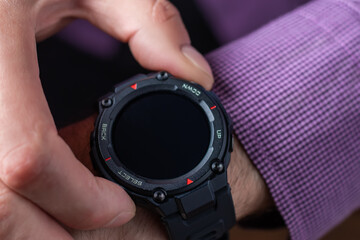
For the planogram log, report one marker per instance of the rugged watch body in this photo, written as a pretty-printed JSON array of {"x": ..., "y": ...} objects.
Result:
[{"x": 167, "y": 142}]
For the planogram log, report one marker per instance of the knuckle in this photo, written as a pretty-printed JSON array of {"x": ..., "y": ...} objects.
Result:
[
  {"x": 23, "y": 164},
  {"x": 163, "y": 11}
]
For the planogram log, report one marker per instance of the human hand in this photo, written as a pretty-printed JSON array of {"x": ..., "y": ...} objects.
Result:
[
  {"x": 249, "y": 191},
  {"x": 43, "y": 187}
]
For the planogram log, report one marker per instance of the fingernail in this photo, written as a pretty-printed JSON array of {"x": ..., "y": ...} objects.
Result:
[
  {"x": 197, "y": 59},
  {"x": 120, "y": 219}
]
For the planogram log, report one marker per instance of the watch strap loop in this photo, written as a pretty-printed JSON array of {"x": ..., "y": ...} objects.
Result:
[{"x": 210, "y": 221}]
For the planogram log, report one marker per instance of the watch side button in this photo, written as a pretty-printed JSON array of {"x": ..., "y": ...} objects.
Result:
[{"x": 231, "y": 148}]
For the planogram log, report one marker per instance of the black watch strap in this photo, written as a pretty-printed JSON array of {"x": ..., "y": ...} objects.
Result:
[{"x": 207, "y": 213}]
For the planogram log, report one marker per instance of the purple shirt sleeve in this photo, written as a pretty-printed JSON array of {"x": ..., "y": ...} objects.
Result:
[
  {"x": 231, "y": 19},
  {"x": 292, "y": 89}
]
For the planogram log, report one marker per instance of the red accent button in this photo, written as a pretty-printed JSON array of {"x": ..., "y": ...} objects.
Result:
[
  {"x": 189, "y": 181},
  {"x": 213, "y": 107},
  {"x": 134, "y": 86}
]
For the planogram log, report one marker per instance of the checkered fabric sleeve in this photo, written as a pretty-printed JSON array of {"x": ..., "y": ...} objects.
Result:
[{"x": 292, "y": 89}]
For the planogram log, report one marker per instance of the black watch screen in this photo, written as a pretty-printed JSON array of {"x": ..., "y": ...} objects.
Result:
[{"x": 161, "y": 135}]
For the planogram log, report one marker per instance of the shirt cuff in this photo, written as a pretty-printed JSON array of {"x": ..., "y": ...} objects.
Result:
[{"x": 292, "y": 89}]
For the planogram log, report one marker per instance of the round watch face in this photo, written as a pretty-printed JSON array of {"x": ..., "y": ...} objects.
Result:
[
  {"x": 154, "y": 133},
  {"x": 161, "y": 135}
]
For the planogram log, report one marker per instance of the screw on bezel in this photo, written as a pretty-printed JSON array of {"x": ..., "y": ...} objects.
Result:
[
  {"x": 162, "y": 76},
  {"x": 159, "y": 195},
  {"x": 107, "y": 102},
  {"x": 217, "y": 167}
]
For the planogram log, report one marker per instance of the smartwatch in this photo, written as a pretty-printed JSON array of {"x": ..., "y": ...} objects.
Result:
[{"x": 168, "y": 142}]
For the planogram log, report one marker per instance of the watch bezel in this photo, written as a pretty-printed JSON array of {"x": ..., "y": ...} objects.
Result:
[{"x": 107, "y": 160}]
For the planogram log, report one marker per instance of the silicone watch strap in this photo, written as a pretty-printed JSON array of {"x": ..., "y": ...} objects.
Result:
[{"x": 206, "y": 213}]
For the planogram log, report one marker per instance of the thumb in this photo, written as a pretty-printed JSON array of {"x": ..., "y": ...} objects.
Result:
[{"x": 156, "y": 35}]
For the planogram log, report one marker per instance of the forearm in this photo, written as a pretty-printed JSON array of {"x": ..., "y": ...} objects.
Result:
[{"x": 292, "y": 90}]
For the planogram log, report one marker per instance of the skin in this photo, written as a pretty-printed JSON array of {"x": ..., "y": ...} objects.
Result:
[
  {"x": 249, "y": 192},
  {"x": 44, "y": 189}
]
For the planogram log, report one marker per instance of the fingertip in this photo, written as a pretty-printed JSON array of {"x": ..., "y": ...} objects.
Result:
[
  {"x": 167, "y": 47},
  {"x": 119, "y": 204},
  {"x": 187, "y": 71},
  {"x": 198, "y": 60},
  {"x": 120, "y": 219},
  {"x": 182, "y": 61}
]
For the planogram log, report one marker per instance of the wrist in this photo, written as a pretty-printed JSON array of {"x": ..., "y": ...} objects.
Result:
[{"x": 249, "y": 191}]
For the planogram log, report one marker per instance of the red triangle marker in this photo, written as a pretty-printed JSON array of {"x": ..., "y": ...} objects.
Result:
[
  {"x": 134, "y": 86},
  {"x": 189, "y": 181}
]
